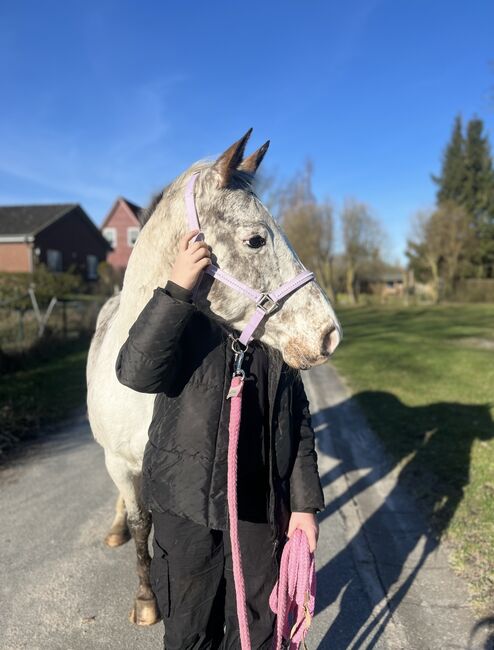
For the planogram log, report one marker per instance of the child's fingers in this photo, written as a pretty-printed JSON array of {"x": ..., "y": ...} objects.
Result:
[
  {"x": 311, "y": 538},
  {"x": 184, "y": 241},
  {"x": 203, "y": 264},
  {"x": 312, "y": 533},
  {"x": 200, "y": 253},
  {"x": 197, "y": 245}
]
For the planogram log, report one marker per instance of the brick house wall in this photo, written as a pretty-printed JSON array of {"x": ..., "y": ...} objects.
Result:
[
  {"x": 16, "y": 257},
  {"x": 121, "y": 228}
]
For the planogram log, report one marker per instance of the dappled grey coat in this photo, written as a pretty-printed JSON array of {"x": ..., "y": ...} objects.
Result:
[{"x": 185, "y": 357}]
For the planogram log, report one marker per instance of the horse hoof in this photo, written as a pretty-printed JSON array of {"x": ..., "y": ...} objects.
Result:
[
  {"x": 117, "y": 539},
  {"x": 144, "y": 612}
]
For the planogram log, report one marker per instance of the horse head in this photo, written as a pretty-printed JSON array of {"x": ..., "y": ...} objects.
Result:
[{"x": 250, "y": 245}]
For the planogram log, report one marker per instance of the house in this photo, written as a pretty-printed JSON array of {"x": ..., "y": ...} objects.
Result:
[
  {"x": 121, "y": 228},
  {"x": 59, "y": 235},
  {"x": 392, "y": 282}
]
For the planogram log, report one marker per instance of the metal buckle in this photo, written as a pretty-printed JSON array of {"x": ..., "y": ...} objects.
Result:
[{"x": 266, "y": 303}]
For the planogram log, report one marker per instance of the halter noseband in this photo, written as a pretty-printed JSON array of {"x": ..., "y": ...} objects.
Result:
[{"x": 266, "y": 302}]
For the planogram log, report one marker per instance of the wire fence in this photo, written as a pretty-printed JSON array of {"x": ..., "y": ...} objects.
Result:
[{"x": 24, "y": 322}]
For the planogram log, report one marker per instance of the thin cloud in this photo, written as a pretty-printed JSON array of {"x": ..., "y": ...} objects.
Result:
[{"x": 91, "y": 164}]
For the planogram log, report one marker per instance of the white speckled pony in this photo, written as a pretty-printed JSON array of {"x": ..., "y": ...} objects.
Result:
[{"x": 305, "y": 330}]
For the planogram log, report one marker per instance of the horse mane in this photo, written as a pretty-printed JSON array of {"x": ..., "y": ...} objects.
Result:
[{"x": 240, "y": 179}]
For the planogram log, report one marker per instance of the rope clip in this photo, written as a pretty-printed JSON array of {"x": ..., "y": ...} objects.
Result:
[{"x": 239, "y": 352}]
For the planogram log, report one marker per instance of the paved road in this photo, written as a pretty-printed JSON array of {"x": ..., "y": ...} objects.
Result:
[{"x": 381, "y": 582}]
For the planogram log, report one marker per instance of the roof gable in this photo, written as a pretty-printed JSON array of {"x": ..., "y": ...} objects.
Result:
[
  {"x": 81, "y": 214},
  {"x": 132, "y": 209}
]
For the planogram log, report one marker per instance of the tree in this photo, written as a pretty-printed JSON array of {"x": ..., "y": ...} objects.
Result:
[
  {"x": 309, "y": 226},
  {"x": 442, "y": 241},
  {"x": 451, "y": 182},
  {"x": 479, "y": 175},
  {"x": 479, "y": 195},
  {"x": 467, "y": 179},
  {"x": 362, "y": 239}
]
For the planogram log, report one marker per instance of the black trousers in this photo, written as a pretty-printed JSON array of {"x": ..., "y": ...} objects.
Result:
[{"x": 192, "y": 578}]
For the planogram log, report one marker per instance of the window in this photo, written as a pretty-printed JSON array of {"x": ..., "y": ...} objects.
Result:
[
  {"x": 54, "y": 260},
  {"x": 110, "y": 234},
  {"x": 132, "y": 234},
  {"x": 91, "y": 267}
]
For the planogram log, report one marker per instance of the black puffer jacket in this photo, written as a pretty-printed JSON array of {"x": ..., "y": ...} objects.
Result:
[{"x": 185, "y": 357}]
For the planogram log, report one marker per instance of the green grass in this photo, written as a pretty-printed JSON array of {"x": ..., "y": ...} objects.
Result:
[
  {"x": 45, "y": 387},
  {"x": 425, "y": 379}
]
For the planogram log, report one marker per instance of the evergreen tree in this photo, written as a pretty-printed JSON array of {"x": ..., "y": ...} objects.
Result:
[
  {"x": 467, "y": 179},
  {"x": 479, "y": 195},
  {"x": 451, "y": 182},
  {"x": 479, "y": 175}
]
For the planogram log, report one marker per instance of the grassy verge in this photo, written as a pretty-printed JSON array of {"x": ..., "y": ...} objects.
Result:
[
  {"x": 425, "y": 379},
  {"x": 43, "y": 388}
]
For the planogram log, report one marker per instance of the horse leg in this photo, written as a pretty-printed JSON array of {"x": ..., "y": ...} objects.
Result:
[
  {"x": 145, "y": 610},
  {"x": 119, "y": 531}
]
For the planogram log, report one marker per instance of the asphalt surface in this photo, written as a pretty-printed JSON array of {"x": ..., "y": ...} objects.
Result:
[{"x": 381, "y": 581}]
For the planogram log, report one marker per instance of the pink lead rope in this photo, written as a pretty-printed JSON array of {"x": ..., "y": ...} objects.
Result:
[
  {"x": 293, "y": 595},
  {"x": 235, "y": 394}
]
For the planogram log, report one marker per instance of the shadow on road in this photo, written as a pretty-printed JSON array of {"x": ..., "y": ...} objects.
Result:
[{"x": 438, "y": 436}]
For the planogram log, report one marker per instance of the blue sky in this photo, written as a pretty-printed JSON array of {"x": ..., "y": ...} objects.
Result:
[{"x": 107, "y": 98}]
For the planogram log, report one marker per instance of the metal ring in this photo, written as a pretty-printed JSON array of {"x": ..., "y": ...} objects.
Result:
[
  {"x": 239, "y": 373},
  {"x": 236, "y": 346}
]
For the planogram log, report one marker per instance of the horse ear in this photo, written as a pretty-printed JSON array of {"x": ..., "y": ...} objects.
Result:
[
  {"x": 252, "y": 162},
  {"x": 229, "y": 161}
]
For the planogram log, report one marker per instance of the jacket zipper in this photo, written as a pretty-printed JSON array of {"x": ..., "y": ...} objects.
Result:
[{"x": 273, "y": 500}]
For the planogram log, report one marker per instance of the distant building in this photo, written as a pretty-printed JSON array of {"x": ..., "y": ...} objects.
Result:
[
  {"x": 59, "y": 236},
  {"x": 390, "y": 283},
  {"x": 121, "y": 228}
]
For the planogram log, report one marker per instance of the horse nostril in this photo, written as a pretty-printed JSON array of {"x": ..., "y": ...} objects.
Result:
[{"x": 330, "y": 341}]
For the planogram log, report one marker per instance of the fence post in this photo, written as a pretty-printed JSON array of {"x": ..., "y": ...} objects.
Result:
[
  {"x": 20, "y": 332},
  {"x": 42, "y": 320},
  {"x": 64, "y": 319}
]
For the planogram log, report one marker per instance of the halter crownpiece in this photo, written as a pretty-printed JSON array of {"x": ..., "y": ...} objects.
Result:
[{"x": 266, "y": 302}]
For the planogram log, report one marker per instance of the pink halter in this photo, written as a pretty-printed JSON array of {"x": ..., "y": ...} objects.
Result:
[
  {"x": 293, "y": 594},
  {"x": 266, "y": 303}
]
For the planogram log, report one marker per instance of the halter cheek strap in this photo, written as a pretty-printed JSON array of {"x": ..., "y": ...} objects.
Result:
[{"x": 266, "y": 303}]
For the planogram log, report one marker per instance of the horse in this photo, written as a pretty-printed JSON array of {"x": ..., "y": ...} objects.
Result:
[{"x": 305, "y": 330}]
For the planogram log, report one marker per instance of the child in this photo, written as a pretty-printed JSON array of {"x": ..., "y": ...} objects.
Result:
[{"x": 185, "y": 357}]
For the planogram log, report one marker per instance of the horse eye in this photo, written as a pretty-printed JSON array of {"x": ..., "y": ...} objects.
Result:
[{"x": 256, "y": 242}]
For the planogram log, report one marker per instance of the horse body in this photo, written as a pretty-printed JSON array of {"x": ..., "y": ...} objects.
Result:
[
  {"x": 108, "y": 400},
  {"x": 306, "y": 329}
]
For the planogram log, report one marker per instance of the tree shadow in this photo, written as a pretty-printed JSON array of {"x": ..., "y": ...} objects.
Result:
[{"x": 431, "y": 450}]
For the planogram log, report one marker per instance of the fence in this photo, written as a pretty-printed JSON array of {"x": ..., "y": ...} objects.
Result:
[
  {"x": 472, "y": 290},
  {"x": 22, "y": 326}
]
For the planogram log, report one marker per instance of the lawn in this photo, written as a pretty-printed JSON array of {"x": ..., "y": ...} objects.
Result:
[
  {"x": 44, "y": 388},
  {"x": 425, "y": 379}
]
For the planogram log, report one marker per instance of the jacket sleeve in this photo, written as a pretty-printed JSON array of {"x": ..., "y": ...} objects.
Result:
[
  {"x": 151, "y": 355},
  {"x": 306, "y": 494}
]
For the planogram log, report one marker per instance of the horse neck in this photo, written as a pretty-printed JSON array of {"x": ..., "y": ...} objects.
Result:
[{"x": 151, "y": 261}]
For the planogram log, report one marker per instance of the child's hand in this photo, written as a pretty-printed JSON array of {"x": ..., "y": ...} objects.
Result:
[
  {"x": 191, "y": 260},
  {"x": 307, "y": 522}
]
